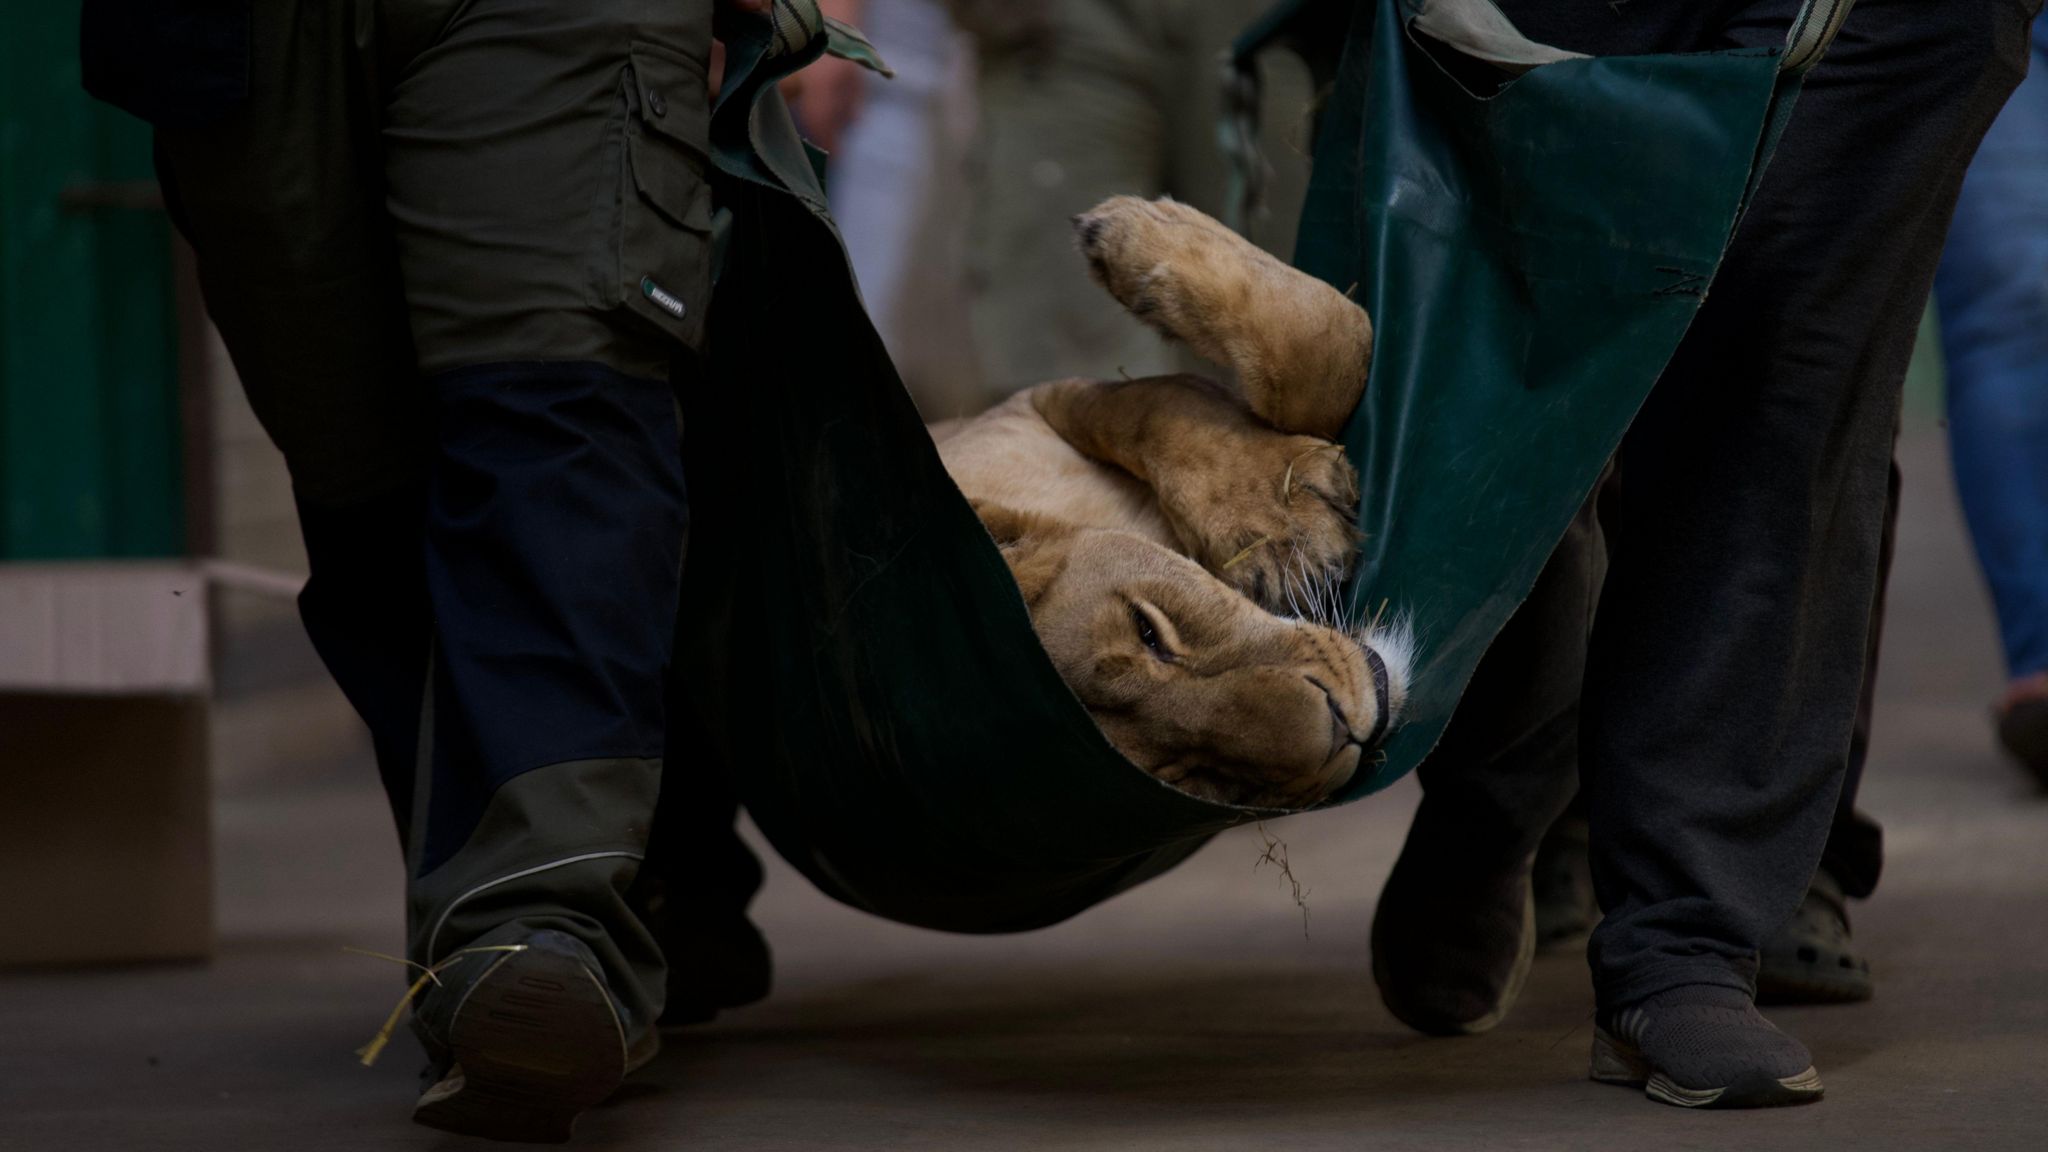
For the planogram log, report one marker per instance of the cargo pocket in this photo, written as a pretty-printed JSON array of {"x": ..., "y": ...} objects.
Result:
[{"x": 664, "y": 257}]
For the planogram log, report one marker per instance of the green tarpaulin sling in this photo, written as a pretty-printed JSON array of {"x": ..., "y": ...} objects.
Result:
[{"x": 1531, "y": 231}]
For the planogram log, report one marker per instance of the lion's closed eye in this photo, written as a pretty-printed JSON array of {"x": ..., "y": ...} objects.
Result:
[{"x": 1155, "y": 631}]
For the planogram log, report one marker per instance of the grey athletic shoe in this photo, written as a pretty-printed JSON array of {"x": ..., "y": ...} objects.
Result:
[
  {"x": 1811, "y": 958},
  {"x": 524, "y": 1036},
  {"x": 1703, "y": 1046}
]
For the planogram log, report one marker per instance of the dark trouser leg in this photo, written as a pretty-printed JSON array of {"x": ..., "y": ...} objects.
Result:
[
  {"x": 1854, "y": 856},
  {"x": 1508, "y": 762},
  {"x": 1454, "y": 929},
  {"x": 1803, "y": 959},
  {"x": 695, "y": 885},
  {"x": 1728, "y": 654},
  {"x": 554, "y": 537},
  {"x": 282, "y": 199},
  {"x": 1811, "y": 957},
  {"x": 547, "y": 188},
  {"x": 481, "y": 194},
  {"x": 365, "y": 608}
]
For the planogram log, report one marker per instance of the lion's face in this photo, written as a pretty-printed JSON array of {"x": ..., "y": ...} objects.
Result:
[{"x": 1196, "y": 684}]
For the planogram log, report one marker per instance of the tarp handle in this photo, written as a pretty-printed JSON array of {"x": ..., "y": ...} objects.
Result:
[
  {"x": 1479, "y": 29},
  {"x": 1812, "y": 31},
  {"x": 793, "y": 24}
]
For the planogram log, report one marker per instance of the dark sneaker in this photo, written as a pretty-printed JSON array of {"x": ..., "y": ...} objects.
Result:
[
  {"x": 2023, "y": 724},
  {"x": 524, "y": 1037},
  {"x": 1703, "y": 1046},
  {"x": 1566, "y": 908},
  {"x": 1452, "y": 940},
  {"x": 1811, "y": 958}
]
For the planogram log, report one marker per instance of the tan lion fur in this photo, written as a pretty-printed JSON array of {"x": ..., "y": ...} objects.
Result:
[{"x": 1179, "y": 542}]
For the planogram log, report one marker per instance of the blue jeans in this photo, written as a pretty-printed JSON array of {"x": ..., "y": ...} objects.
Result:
[{"x": 1992, "y": 292}]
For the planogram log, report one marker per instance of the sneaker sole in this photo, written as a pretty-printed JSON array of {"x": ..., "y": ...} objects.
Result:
[
  {"x": 535, "y": 1044},
  {"x": 1615, "y": 1061}
]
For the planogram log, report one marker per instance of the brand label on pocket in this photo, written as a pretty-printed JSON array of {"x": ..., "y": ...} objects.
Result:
[{"x": 661, "y": 297}]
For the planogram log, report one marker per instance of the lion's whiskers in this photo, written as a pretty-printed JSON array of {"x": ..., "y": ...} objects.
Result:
[
  {"x": 1310, "y": 591},
  {"x": 1288, "y": 586}
]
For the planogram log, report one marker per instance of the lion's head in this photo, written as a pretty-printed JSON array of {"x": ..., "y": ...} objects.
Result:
[{"x": 1193, "y": 682}]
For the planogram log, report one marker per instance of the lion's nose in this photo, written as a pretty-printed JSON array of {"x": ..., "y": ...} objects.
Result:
[{"x": 1382, "y": 698}]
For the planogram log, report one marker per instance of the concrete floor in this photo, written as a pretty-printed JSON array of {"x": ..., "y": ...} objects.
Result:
[{"x": 1193, "y": 1013}]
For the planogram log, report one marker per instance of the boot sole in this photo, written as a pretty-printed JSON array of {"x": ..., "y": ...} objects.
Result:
[
  {"x": 1615, "y": 1061},
  {"x": 535, "y": 1044}
]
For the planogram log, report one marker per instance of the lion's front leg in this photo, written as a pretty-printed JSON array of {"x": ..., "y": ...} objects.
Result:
[
  {"x": 1269, "y": 513},
  {"x": 1299, "y": 347}
]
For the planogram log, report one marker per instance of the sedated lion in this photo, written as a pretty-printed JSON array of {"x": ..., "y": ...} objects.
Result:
[{"x": 1179, "y": 543}]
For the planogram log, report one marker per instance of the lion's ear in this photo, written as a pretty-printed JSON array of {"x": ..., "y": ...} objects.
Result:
[{"x": 1024, "y": 538}]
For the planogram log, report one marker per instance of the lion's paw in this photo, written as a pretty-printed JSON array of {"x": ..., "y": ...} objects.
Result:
[
  {"x": 1282, "y": 530},
  {"x": 1160, "y": 258}
]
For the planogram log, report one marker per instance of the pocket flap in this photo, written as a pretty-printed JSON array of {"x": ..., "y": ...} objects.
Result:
[
  {"x": 676, "y": 183},
  {"x": 671, "y": 97}
]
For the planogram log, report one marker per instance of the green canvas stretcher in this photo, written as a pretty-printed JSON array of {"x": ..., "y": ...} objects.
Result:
[{"x": 1531, "y": 231}]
